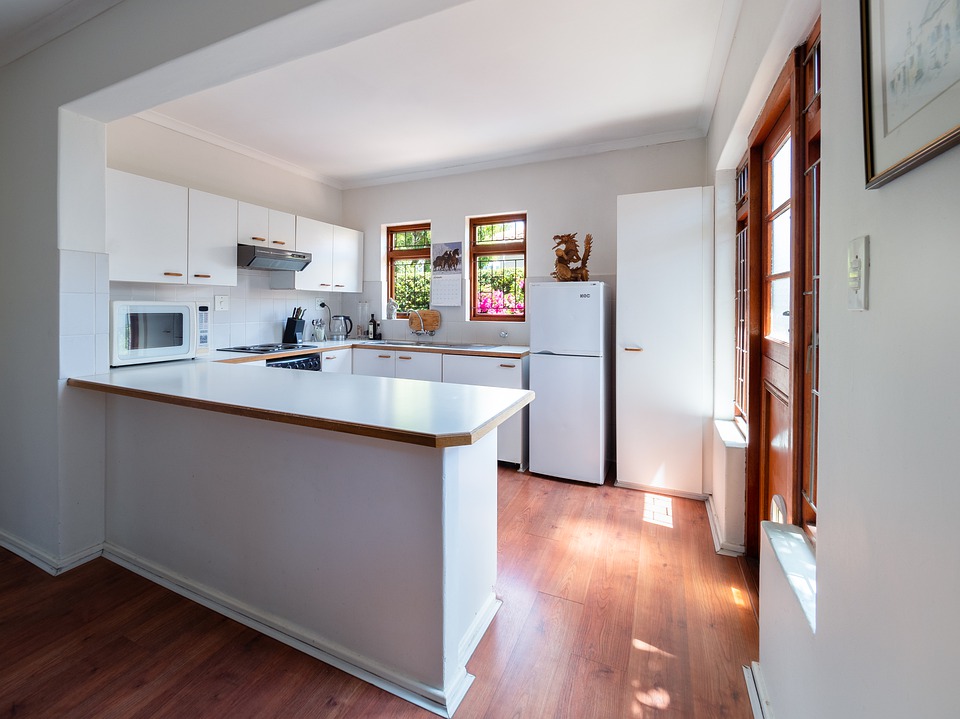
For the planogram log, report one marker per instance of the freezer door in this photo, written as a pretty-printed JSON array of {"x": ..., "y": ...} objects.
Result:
[
  {"x": 567, "y": 317},
  {"x": 568, "y": 417}
]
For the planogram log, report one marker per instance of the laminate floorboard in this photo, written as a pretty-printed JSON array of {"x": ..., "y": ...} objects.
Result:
[{"x": 615, "y": 606}]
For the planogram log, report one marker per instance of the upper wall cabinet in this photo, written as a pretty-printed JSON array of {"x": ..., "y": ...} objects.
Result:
[
  {"x": 258, "y": 225},
  {"x": 347, "y": 260},
  {"x": 211, "y": 235},
  {"x": 337, "y": 259},
  {"x": 164, "y": 233},
  {"x": 146, "y": 229}
]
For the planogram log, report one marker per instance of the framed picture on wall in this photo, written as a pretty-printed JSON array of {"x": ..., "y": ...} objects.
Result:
[{"x": 911, "y": 83}]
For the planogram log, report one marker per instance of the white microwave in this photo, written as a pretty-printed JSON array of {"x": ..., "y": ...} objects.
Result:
[{"x": 157, "y": 331}]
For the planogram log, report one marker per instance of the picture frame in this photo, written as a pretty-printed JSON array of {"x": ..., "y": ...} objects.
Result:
[{"x": 911, "y": 84}]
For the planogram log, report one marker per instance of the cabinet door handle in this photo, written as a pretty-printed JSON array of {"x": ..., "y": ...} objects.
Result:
[
  {"x": 633, "y": 349},
  {"x": 403, "y": 357},
  {"x": 324, "y": 284},
  {"x": 508, "y": 366},
  {"x": 384, "y": 356},
  {"x": 259, "y": 239},
  {"x": 279, "y": 242},
  {"x": 203, "y": 277},
  {"x": 339, "y": 285},
  {"x": 173, "y": 274},
  {"x": 329, "y": 358}
]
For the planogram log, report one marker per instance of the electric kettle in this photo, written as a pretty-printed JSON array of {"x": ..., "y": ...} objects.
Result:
[{"x": 340, "y": 327}]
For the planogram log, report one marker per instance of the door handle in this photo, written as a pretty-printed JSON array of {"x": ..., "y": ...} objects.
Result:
[
  {"x": 173, "y": 274},
  {"x": 633, "y": 349}
]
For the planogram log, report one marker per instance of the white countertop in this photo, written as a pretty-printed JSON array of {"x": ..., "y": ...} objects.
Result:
[
  {"x": 432, "y": 414},
  {"x": 481, "y": 350}
]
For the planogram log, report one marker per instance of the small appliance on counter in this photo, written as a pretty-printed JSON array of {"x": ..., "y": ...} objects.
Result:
[
  {"x": 157, "y": 331},
  {"x": 340, "y": 327}
]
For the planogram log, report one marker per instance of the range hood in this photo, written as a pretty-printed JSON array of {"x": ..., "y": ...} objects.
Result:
[{"x": 269, "y": 258}]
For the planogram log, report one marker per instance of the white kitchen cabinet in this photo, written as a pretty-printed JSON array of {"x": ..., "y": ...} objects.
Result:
[
  {"x": 146, "y": 229},
  {"x": 315, "y": 237},
  {"x": 283, "y": 230},
  {"x": 419, "y": 365},
  {"x": 376, "y": 362},
  {"x": 347, "y": 260},
  {"x": 662, "y": 342},
  {"x": 336, "y": 259},
  {"x": 496, "y": 372},
  {"x": 266, "y": 227},
  {"x": 338, "y": 361},
  {"x": 211, "y": 239},
  {"x": 253, "y": 224}
]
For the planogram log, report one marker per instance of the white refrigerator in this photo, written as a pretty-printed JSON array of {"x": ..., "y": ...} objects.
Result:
[{"x": 568, "y": 373}]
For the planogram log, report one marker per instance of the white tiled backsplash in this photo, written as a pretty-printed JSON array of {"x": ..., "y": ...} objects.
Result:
[{"x": 256, "y": 313}]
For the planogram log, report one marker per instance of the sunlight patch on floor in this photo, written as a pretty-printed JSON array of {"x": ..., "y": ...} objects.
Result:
[{"x": 658, "y": 510}]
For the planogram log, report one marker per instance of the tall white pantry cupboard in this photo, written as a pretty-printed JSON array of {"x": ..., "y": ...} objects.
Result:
[{"x": 664, "y": 338}]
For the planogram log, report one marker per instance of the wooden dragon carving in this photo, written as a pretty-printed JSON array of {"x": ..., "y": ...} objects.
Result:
[{"x": 568, "y": 252}]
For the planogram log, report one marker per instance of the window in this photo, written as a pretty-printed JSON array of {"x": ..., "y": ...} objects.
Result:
[
  {"x": 776, "y": 382},
  {"x": 741, "y": 304},
  {"x": 408, "y": 267},
  {"x": 498, "y": 253}
]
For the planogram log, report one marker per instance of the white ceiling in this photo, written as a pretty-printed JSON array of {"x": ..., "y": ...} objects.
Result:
[{"x": 482, "y": 84}]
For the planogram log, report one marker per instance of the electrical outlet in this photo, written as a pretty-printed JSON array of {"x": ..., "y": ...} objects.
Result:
[
  {"x": 319, "y": 304},
  {"x": 221, "y": 302}
]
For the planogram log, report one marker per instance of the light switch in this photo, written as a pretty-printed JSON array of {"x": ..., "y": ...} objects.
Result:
[
  {"x": 858, "y": 272},
  {"x": 221, "y": 302}
]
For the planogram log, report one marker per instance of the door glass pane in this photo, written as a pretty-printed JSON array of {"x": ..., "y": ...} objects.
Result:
[
  {"x": 778, "y": 321},
  {"x": 780, "y": 184},
  {"x": 780, "y": 244}
]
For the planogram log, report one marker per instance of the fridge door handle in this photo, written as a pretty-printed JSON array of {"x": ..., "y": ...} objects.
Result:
[{"x": 633, "y": 349}]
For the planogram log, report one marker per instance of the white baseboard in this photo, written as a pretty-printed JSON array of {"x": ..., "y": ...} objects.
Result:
[
  {"x": 759, "y": 699},
  {"x": 46, "y": 561},
  {"x": 422, "y": 695},
  {"x": 661, "y": 490},
  {"x": 727, "y": 549}
]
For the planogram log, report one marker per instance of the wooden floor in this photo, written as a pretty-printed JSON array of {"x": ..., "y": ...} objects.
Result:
[{"x": 614, "y": 605}]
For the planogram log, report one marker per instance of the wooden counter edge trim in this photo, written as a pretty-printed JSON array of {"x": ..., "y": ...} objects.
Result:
[
  {"x": 498, "y": 419},
  {"x": 435, "y": 441}
]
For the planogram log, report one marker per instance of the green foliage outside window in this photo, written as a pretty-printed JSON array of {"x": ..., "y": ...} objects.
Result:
[{"x": 411, "y": 284}]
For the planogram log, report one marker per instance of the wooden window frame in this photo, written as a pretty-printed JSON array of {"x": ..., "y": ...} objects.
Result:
[
  {"x": 798, "y": 89},
  {"x": 505, "y": 248},
  {"x": 404, "y": 254}
]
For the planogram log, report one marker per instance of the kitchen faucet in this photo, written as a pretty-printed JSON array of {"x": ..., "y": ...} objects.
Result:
[{"x": 421, "y": 331}]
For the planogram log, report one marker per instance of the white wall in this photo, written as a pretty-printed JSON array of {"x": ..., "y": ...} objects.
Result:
[
  {"x": 887, "y": 639},
  {"x": 145, "y": 148},
  {"x": 574, "y": 195},
  {"x": 888, "y": 565},
  {"x": 127, "y": 59}
]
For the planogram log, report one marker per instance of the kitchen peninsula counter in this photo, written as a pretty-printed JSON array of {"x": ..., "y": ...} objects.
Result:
[
  {"x": 353, "y": 518},
  {"x": 430, "y": 414}
]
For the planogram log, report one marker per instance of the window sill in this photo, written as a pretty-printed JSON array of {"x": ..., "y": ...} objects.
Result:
[
  {"x": 730, "y": 434},
  {"x": 799, "y": 564}
]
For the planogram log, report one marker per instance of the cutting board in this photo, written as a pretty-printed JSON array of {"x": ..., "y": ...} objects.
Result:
[{"x": 431, "y": 321}]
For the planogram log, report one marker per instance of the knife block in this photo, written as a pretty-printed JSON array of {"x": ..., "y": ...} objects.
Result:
[{"x": 293, "y": 332}]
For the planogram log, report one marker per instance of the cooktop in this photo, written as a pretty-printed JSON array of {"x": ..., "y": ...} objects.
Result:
[{"x": 267, "y": 349}]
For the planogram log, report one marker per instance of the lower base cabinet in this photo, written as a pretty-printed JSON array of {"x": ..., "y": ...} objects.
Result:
[
  {"x": 420, "y": 365},
  {"x": 337, "y": 361},
  {"x": 496, "y": 372},
  {"x": 375, "y": 362}
]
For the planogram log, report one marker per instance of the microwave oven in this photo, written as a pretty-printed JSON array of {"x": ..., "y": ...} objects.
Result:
[{"x": 157, "y": 331}]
